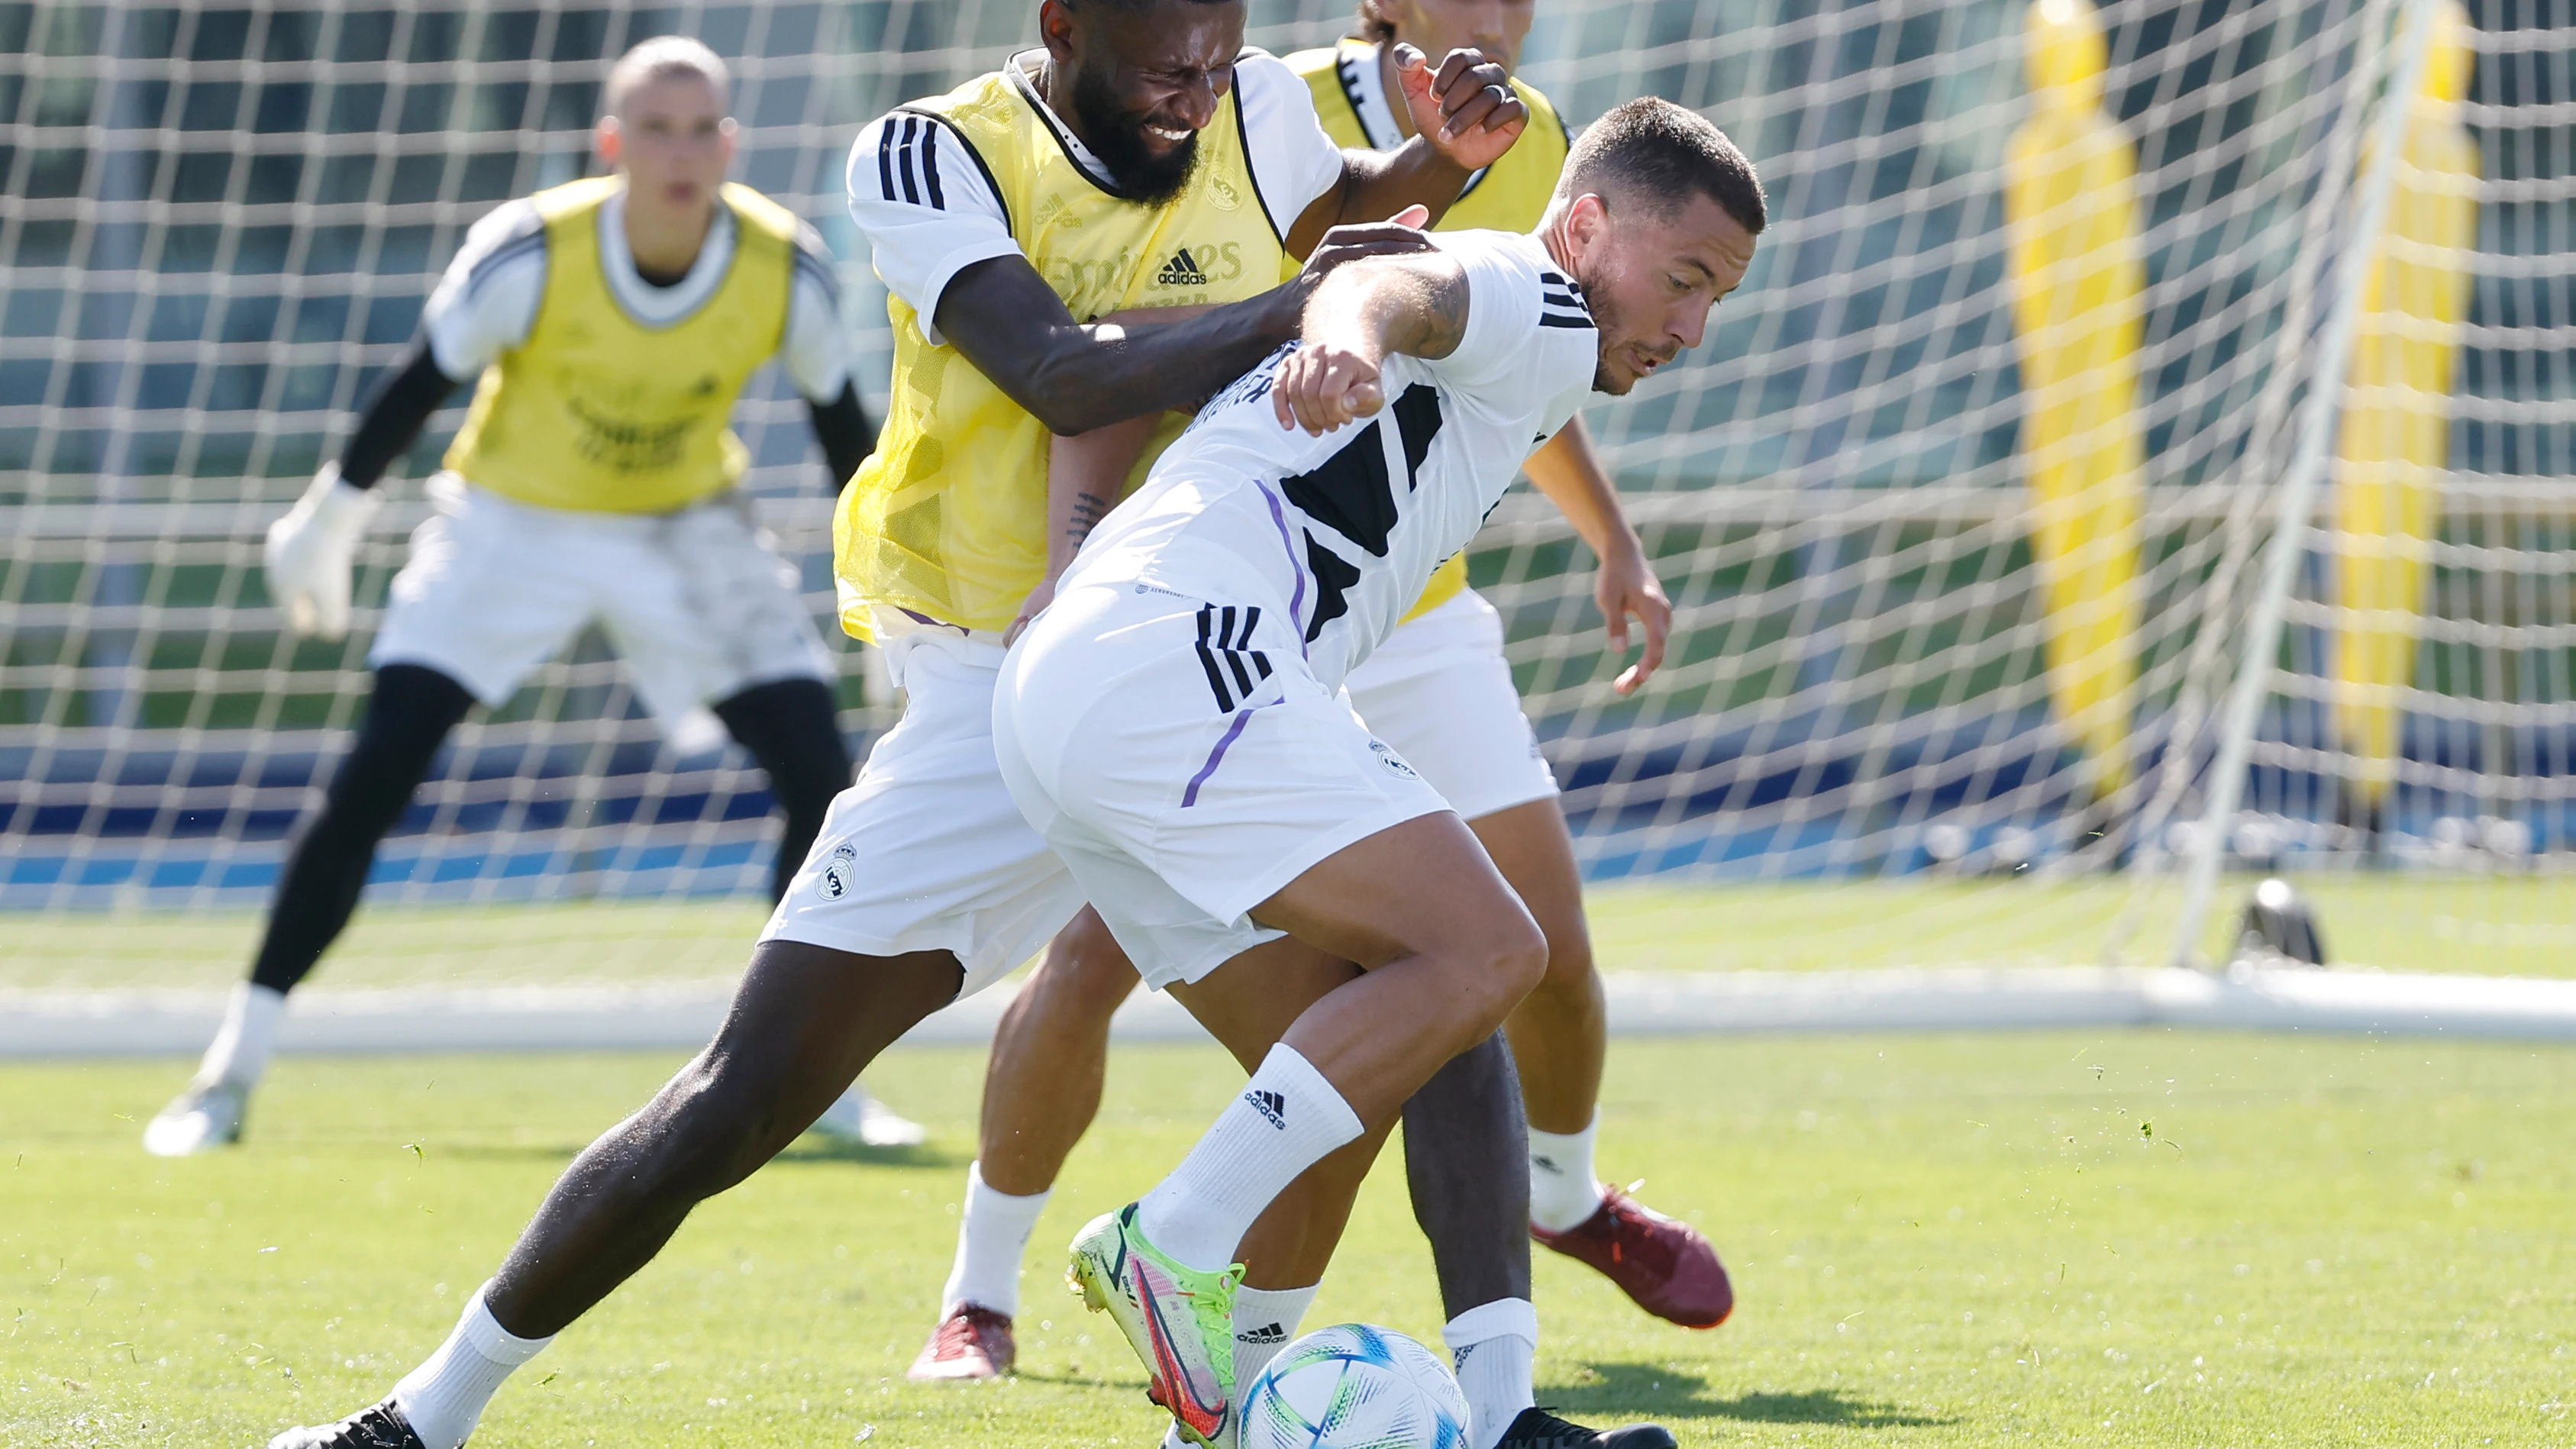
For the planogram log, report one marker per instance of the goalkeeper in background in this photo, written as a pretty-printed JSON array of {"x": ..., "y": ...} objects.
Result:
[{"x": 612, "y": 323}]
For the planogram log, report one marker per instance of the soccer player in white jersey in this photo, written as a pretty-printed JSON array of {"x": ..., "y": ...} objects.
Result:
[
  {"x": 612, "y": 322},
  {"x": 1440, "y": 693},
  {"x": 1173, "y": 726}
]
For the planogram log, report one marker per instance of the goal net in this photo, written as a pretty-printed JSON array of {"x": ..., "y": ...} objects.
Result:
[{"x": 1964, "y": 507}]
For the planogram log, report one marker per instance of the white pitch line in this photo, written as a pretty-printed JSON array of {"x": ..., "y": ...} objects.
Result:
[{"x": 42, "y": 1024}]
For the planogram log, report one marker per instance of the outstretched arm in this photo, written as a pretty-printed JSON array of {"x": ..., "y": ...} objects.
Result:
[
  {"x": 1415, "y": 305},
  {"x": 1570, "y": 474},
  {"x": 1074, "y": 377},
  {"x": 1465, "y": 116}
]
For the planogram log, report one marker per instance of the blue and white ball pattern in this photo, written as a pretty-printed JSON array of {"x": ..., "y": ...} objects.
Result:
[{"x": 1353, "y": 1386}]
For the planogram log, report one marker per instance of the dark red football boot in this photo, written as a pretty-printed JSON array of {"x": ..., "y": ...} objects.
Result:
[
  {"x": 1665, "y": 1265},
  {"x": 972, "y": 1342}
]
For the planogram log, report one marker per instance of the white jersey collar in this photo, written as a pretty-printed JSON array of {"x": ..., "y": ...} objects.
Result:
[
  {"x": 655, "y": 306},
  {"x": 1022, "y": 70}
]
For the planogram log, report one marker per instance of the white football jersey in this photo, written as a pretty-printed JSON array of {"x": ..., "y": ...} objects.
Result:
[{"x": 1338, "y": 534}]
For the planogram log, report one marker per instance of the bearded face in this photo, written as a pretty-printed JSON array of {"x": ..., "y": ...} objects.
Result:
[{"x": 1149, "y": 157}]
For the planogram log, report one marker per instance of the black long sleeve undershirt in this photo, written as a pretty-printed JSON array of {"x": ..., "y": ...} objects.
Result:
[
  {"x": 396, "y": 409},
  {"x": 403, "y": 401},
  {"x": 842, "y": 427}
]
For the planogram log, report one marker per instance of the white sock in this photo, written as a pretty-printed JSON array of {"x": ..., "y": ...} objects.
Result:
[
  {"x": 239, "y": 1054},
  {"x": 444, "y": 1397},
  {"x": 992, "y": 1238},
  {"x": 1494, "y": 1346},
  {"x": 1563, "y": 1191},
  {"x": 1287, "y": 1119},
  {"x": 1265, "y": 1321}
]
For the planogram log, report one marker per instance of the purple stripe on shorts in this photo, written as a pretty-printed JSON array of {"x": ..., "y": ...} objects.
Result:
[
  {"x": 1296, "y": 601},
  {"x": 1190, "y": 796}
]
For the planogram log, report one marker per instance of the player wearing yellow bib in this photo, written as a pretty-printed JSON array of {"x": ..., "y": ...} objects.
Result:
[
  {"x": 1439, "y": 692},
  {"x": 612, "y": 322},
  {"x": 1143, "y": 158}
]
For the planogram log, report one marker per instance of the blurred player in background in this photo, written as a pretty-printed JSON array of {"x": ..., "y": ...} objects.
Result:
[
  {"x": 612, "y": 323},
  {"x": 1440, "y": 693},
  {"x": 1174, "y": 725},
  {"x": 1143, "y": 157}
]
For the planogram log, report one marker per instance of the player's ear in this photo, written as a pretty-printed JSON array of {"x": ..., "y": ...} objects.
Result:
[
  {"x": 1587, "y": 222},
  {"x": 1055, "y": 27},
  {"x": 728, "y": 138}
]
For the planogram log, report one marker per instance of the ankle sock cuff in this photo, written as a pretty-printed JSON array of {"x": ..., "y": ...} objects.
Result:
[{"x": 1502, "y": 1318}]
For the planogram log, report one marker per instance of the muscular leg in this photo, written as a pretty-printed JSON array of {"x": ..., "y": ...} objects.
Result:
[
  {"x": 1559, "y": 1031},
  {"x": 1466, "y": 1161},
  {"x": 791, "y": 727},
  {"x": 803, "y": 1023},
  {"x": 1042, "y": 1085},
  {"x": 1447, "y": 952},
  {"x": 1558, "y": 1036}
]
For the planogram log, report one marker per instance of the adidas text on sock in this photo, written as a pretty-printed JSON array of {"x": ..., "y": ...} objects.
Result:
[
  {"x": 1286, "y": 1119},
  {"x": 1266, "y": 1321}
]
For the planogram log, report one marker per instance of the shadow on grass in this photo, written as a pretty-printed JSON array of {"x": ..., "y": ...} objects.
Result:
[
  {"x": 1654, "y": 1392},
  {"x": 813, "y": 1148}
]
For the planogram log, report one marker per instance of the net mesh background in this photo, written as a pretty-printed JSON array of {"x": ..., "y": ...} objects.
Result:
[{"x": 223, "y": 223}]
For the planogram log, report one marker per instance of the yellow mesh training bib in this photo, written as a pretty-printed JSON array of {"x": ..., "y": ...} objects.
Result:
[
  {"x": 1510, "y": 195},
  {"x": 599, "y": 413},
  {"x": 948, "y": 518}
]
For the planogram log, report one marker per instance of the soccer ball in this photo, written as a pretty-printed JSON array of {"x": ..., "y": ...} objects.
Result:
[{"x": 1353, "y": 1386}]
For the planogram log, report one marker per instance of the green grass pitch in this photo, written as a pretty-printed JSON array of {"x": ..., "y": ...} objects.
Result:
[{"x": 2143, "y": 1238}]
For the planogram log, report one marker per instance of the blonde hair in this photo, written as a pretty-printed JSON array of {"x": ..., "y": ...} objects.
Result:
[{"x": 661, "y": 57}]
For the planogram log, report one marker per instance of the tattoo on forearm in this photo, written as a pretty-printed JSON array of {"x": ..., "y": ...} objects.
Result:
[{"x": 1088, "y": 510}]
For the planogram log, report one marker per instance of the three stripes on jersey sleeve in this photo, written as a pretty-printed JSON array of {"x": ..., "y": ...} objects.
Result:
[
  {"x": 908, "y": 160},
  {"x": 1560, "y": 302}
]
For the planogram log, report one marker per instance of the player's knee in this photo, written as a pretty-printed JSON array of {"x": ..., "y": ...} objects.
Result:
[
  {"x": 1570, "y": 967},
  {"x": 1086, "y": 975},
  {"x": 1503, "y": 962}
]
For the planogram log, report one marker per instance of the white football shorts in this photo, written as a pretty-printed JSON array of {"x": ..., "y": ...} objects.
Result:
[
  {"x": 1440, "y": 692},
  {"x": 927, "y": 851},
  {"x": 698, "y": 603},
  {"x": 1185, "y": 765}
]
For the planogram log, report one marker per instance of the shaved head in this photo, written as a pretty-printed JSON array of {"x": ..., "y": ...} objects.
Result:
[
  {"x": 661, "y": 58},
  {"x": 1652, "y": 152}
]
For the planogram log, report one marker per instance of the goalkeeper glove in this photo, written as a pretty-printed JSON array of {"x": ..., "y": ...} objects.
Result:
[{"x": 309, "y": 553}]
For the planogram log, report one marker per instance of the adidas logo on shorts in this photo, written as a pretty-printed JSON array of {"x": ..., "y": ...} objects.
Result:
[
  {"x": 1266, "y": 1333},
  {"x": 1271, "y": 1105},
  {"x": 1180, "y": 271}
]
